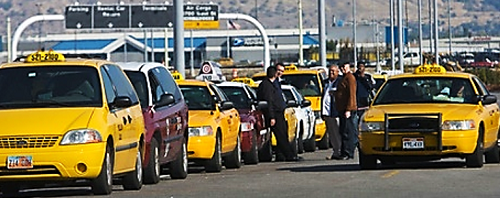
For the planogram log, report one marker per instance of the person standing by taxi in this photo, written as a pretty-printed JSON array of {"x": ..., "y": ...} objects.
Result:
[
  {"x": 329, "y": 111},
  {"x": 270, "y": 91},
  {"x": 345, "y": 102},
  {"x": 364, "y": 89}
]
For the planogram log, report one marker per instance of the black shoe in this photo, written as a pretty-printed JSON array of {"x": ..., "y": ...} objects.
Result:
[
  {"x": 280, "y": 158},
  {"x": 334, "y": 157}
]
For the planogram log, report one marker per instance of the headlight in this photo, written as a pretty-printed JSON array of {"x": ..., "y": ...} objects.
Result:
[
  {"x": 459, "y": 125},
  {"x": 371, "y": 126},
  {"x": 81, "y": 136},
  {"x": 200, "y": 131},
  {"x": 246, "y": 126}
]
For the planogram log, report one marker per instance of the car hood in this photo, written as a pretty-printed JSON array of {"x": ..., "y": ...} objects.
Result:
[
  {"x": 201, "y": 118},
  {"x": 43, "y": 121},
  {"x": 449, "y": 111}
]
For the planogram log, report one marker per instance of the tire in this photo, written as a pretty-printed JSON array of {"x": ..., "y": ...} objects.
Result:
[
  {"x": 300, "y": 141},
  {"x": 233, "y": 160},
  {"x": 153, "y": 169},
  {"x": 133, "y": 180},
  {"x": 387, "y": 162},
  {"x": 310, "y": 144},
  {"x": 103, "y": 184},
  {"x": 295, "y": 146},
  {"x": 179, "y": 167},
  {"x": 266, "y": 152},
  {"x": 492, "y": 156},
  {"x": 367, "y": 162},
  {"x": 475, "y": 160},
  {"x": 252, "y": 156},
  {"x": 323, "y": 144},
  {"x": 214, "y": 165}
]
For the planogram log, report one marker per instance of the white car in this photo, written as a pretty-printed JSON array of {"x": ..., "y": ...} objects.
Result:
[{"x": 305, "y": 118}]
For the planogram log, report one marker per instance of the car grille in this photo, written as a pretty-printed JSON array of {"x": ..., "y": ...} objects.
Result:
[
  {"x": 28, "y": 142},
  {"x": 414, "y": 124},
  {"x": 36, "y": 170}
]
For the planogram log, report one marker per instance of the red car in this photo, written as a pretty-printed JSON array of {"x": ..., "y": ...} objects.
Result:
[
  {"x": 166, "y": 119},
  {"x": 482, "y": 63},
  {"x": 255, "y": 136}
]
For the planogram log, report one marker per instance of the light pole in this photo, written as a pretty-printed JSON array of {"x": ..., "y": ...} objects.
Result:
[
  {"x": 449, "y": 27},
  {"x": 301, "y": 53},
  {"x": 354, "y": 34}
]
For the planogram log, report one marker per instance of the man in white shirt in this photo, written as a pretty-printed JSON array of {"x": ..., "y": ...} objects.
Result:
[{"x": 329, "y": 112}]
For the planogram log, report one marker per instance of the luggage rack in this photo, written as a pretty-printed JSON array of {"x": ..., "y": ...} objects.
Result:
[{"x": 432, "y": 123}]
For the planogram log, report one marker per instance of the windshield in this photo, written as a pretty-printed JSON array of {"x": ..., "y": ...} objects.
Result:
[
  {"x": 306, "y": 84},
  {"x": 238, "y": 96},
  {"x": 140, "y": 85},
  {"x": 198, "y": 98},
  {"x": 426, "y": 90},
  {"x": 49, "y": 86}
]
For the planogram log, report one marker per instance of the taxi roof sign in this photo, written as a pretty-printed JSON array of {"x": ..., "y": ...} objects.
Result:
[
  {"x": 430, "y": 69},
  {"x": 177, "y": 76},
  {"x": 291, "y": 68},
  {"x": 42, "y": 56},
  {"x": 244, "y": 80}
]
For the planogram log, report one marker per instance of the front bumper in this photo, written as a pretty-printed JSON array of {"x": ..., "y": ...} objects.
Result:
[
  {"x": 201, "y": 147},
  {"x": 60, "y": 162}
]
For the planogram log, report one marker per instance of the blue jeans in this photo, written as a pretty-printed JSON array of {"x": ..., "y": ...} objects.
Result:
[{"x": 349, "y": 133}]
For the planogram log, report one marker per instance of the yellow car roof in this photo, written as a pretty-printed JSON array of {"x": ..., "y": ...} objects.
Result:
[
  {"x": 193, "y": 82},
  {"x": 291, "y": 72},
  {"x": 67, "y": 62}
]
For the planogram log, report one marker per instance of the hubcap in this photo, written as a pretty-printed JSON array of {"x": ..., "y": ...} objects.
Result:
[
  {"x": 108, "y": 169},
  {"x": 138, "y": 166},
  {"x": 156, "y": 161},
  {"x": 184, "y": 158},
  {"x": 238, "y": 149},
  {"x": 219, "y": 153}
]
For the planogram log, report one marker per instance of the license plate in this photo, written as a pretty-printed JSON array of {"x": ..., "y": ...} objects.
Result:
[
  {"x": 19, "y": 162},
  {"x": 413, "y": 143}
]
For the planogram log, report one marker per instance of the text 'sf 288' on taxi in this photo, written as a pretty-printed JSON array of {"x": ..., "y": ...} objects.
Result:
[
  {"x": 214, "y": 126},
  {"x": 430, "y": 114},
  {"x": 68, "y": 120}
]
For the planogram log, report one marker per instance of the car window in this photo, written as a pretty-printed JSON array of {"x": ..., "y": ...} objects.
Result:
[
  {"x": 164, "y": 83},
  {"x": 221, "y": 96},
  {"x": 198, "y": 98},
  {"x": 62, "y": 86},
  {"x": 238, "y": 96},
  {"x": 252, "y": 92},
  {"x": 297, "y": 95},
  {"x": 306, "y": 84},
  {"x": 121, "y": 83},
  {"x": 288, "y": 94},
  {"x": 140, "y": 85},
  {"x": 426, "y": 90},
  {"x": 481, "y": 87}
]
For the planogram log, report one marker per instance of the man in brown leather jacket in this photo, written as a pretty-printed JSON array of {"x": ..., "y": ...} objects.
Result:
[{"x": 345, "y": 102}]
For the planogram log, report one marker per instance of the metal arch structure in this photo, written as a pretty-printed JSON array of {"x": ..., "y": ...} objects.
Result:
[
  {"x": 25, "y": 24},
  {"x": 265, "y": 38},
  {"x": 228, "y": 16}
]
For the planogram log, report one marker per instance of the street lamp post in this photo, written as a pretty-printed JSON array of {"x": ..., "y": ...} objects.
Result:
[
  {"x": 354, "y": 34},
  {"x": 301, "y": 53}
]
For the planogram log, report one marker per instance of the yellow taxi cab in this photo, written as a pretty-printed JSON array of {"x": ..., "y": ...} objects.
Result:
[
  {"x": 309, "y": 82},
  {"x": 290, "y": 117},
  {"x": 214, "y": 126},
  {"x": 427, "y": 115},
  {"x": 68, "y": 120}
]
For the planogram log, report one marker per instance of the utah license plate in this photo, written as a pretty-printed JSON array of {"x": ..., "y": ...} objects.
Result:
[
  {"x": 413, "y": 143},
  {"x": 19, "y": 162}
]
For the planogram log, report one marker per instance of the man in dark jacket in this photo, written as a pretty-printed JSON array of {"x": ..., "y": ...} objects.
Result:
[
  {"x": 270, "y": 91},
  {"x": 364, "y": 89},
  {"x": 345, "y": 102},
  {"x": 329, "y": 112}
]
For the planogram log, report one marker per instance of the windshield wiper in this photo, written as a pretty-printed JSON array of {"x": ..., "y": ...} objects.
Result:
[{"x": 50, "y": 102}]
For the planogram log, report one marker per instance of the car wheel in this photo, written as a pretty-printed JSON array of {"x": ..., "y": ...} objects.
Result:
[
  {"x": 266, "y": 152},
  {"x": 215, "y": 164},
  {"x": 367, "y": 162},
  {"x": 323, "y": 143},
  {"x": 179, "y": 167},
  {"x": 295, "y": 146},
  {"x": 153, "y": 169},
  {"x": 475, "y": 160},
  {"x": 252, "y": 156},
  {"x": 133, "y": 180},
  {"x": 492, "y": 156},
  {"x": 103, "y": 184},
  {"x": 310, "y": 144},
  {"x": 233, "y": 160}
]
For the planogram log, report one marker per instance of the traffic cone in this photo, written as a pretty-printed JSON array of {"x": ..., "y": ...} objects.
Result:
[{"x": 235, "y": 73}]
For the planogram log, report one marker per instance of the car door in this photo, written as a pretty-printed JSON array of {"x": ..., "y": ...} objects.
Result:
[
  {"x": 171, "y": 115},
  {"x": 122, "y": 120},
  {"x": 491, "y": 112},
  {"x": 229, "y": 118}
]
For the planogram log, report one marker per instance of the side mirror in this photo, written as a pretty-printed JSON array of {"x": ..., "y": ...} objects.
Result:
[
  {"x": 262, "y": 105},
  {"x": 122, "y": 101},
  {"x": 165, "y": 99},
  {"x": 489, "y": 99},
  {"x": 291, "y": 103},
  {"x": 306, "y": 103},
  {"x": 226, "y": 105}
]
